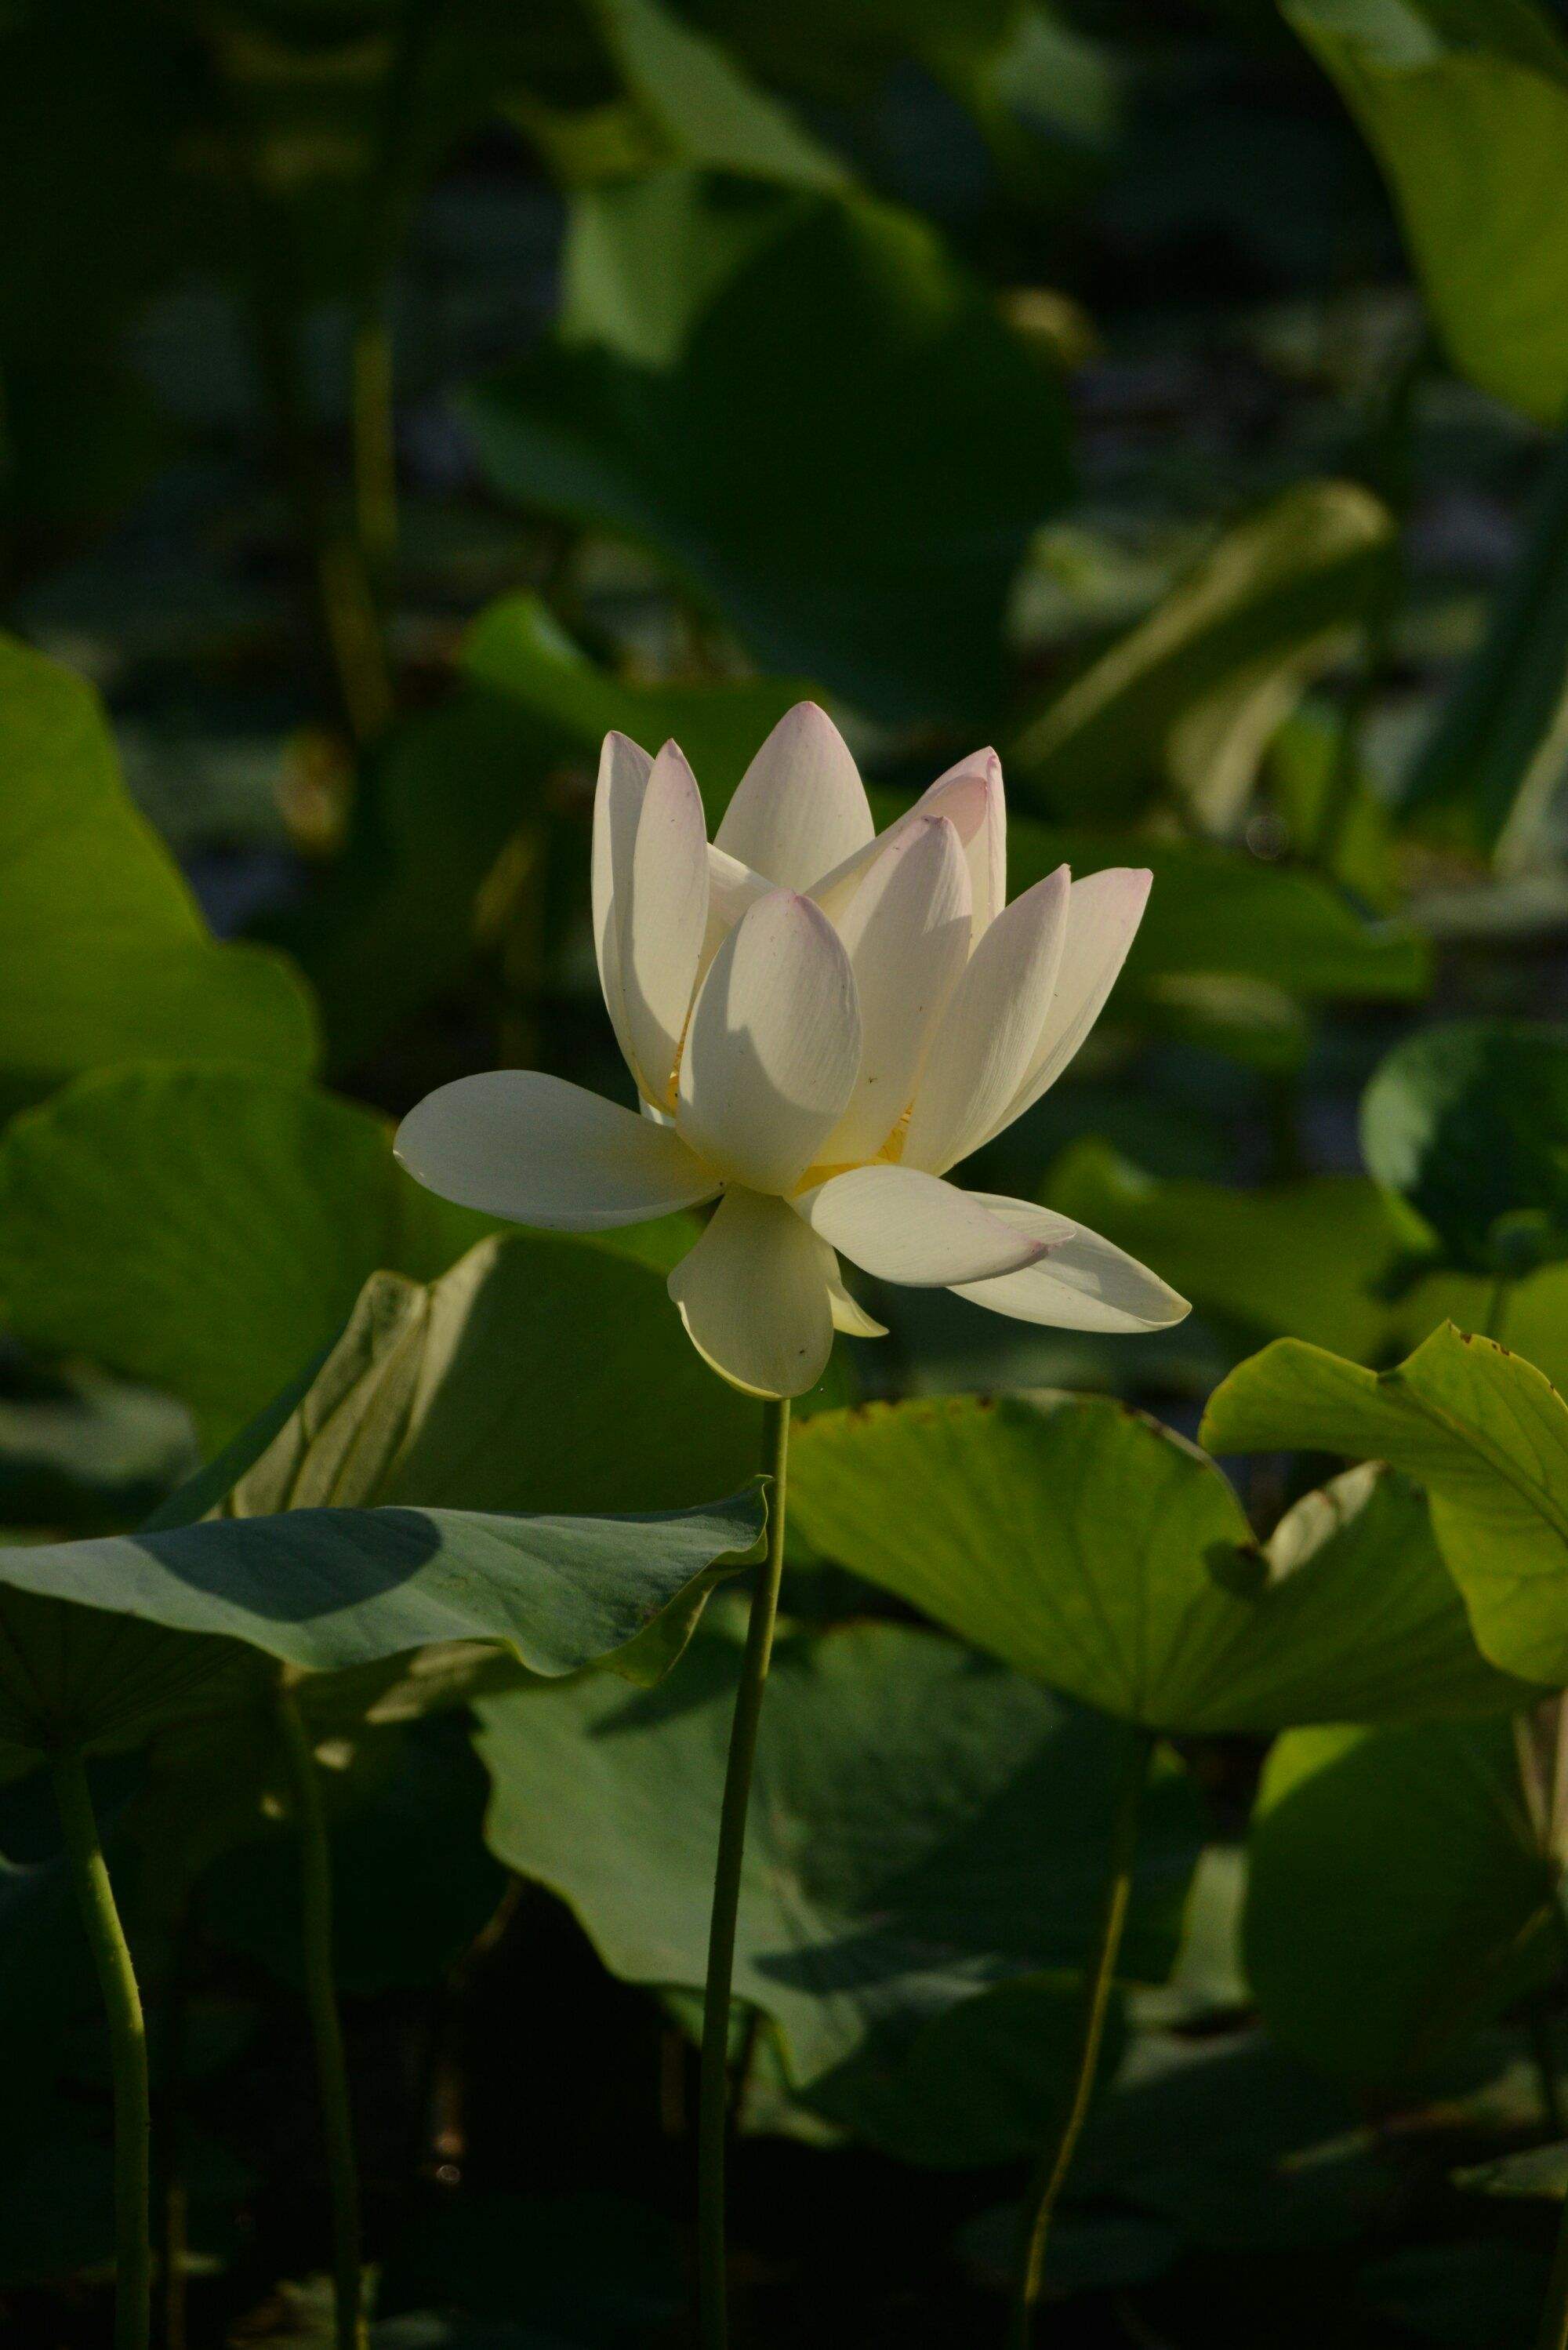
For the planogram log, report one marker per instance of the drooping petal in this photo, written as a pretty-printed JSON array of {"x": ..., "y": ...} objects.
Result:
[
  {"x": 754, "y": 1298},
  {"x": 773, "y": 1046},
  {"x": 624, "y": 770},
  {"x": 906, "y": 934},
  {"x": 848, "y": 1314},
  {"x": 905, "y": 1226},
  {"x": 970, "y": 796},
  {"x": 662, "y": 920},
  {"x": 800, "y": 808},
  {"x": 1104, "y": 911},
  {"x": 983, "y": 1045},
  {"x": 520, "y": 1144},
  {"x": 1084, "y": 1282}
]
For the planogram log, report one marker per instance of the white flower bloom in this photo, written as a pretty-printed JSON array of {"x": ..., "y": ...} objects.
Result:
[{"x": 821, "y": 1021}]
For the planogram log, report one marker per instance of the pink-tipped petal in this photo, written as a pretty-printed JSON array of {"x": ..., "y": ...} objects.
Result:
[{"x": 1082, "y": 1283}]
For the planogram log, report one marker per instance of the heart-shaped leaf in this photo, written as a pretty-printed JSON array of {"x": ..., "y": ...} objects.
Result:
[
  {"x": 1089, "y": 1548},
  {"x": 923, "y": 1824},
  {"x": 1484, "y": 1432}
]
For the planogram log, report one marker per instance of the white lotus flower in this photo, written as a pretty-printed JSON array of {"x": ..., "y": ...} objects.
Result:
[{"x": 821, "y": 1021}]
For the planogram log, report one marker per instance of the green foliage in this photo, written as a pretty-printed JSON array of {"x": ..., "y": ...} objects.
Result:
[
  {"x": 103, "y": 954},
  {"x": 1085, "y": 1546},
  {"x": 1396, "y": 1895},
  {"x": 1218, "y": 912},
  {"x": 923, "y": 1823},
  {"x": 1467, "y": 1125},
  {"x": 1193, "y": 691},
  {"x": 1465, "y": 103},
  {"x": 205, "y": 1230},
  {"x": 825, "y": 519},
  {"x": 1483, "y": 1431}
]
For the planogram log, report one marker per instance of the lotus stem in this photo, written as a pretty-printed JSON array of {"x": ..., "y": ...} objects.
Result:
[
  {"x": 326, "y": 2026},
  {"x": 128, "y": 2055},
  {"x": 1497, "y": 1307},
  {"x": 713, "y": 2101},
  {"x": 1099, "y": 1981}
]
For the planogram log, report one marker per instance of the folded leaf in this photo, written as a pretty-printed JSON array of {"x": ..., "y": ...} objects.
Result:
[{"x": 1089, "y": 1548}]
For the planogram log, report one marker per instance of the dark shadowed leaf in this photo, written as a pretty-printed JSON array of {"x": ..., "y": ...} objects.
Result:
[
  {"x": 1396, "y": 1895},
  {"x": 845, "y": 528},
  {"x": 924, "y": 1825}
]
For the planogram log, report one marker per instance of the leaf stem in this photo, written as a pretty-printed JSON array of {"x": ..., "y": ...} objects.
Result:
[
  {"x": 1497, "y": 1307},
  {"x": 714, "y": 2104},
  {"x": 128, "y": 2054},
  {"x": 327, "y": 2030},
  {"x": 1099, "y": 1981}
]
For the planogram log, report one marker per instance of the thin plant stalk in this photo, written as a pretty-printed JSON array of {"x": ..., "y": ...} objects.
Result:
[
  {"x": 1099, "y": 1981},
  {"x": 327, "y": 2030},
  {"x": 372, "y": 435},
  {"x": 713, "y": 2099},
  {"x": 1497, "y": 1309},
  {"x": 128, "y": 2055}
]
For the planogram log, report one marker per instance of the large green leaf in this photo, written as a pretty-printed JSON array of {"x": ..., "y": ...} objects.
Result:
[
  {"x": 1495, "y": 757},
  {"x": 1465, "y": 104},
  {"x": 204, "y": 1230},
  {"x": 1483, "y": 1431},
  {"x": 328, "y": 1590},
  {"x": 1089, "y": 1548},
  {"x": 923, "y": 1824},
  {"x": 103, "y": 954},
  {"x": 1467, "y": 1125},
  {"x": 1217, "y": 661},
  {"x": 876, "y": 446},
  {"x": 1395, "y": 1894}
]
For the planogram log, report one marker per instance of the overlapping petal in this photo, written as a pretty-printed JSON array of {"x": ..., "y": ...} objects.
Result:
[
  {"x": 971, "y": 797},
  {"x": 906, "y": 934},
  {"x": 773, "y": 1046},
  {"x": 983, "y": 1045},
  {"x": 905, "y": 1226},
  {"x": 753, "y": 1295},
  {"x": 520, "y": 1144},
  {"x": 1104, "y": 911},
  {"x": 1081, "y": 1283},
  {"x": 624, "y": 770},
  {"x": 663, "y": 921},
  {"x": 801, "y": 807}
]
